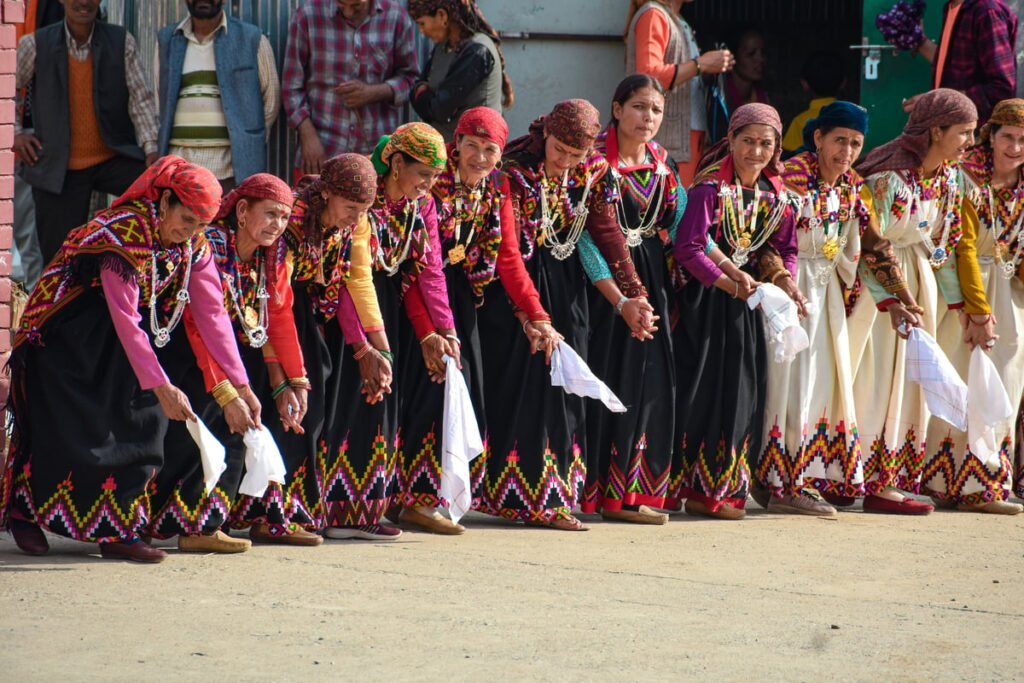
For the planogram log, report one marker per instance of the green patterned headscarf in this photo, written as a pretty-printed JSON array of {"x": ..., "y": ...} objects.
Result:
[{"x": 420, "y": 141}]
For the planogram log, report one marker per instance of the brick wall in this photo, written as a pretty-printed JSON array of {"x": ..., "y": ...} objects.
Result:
[{"x": 13, "y": 13}]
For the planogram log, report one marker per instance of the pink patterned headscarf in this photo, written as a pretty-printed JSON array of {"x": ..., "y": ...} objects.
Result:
[
  {"x": 748, "y": 115},
  {"x": 934, "y": 109}
]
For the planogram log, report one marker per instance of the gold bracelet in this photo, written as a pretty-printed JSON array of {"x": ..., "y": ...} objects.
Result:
[
  {"x": 300, "y": 383},
  {"x": 224, "y": 393},
  {"x": 429, "y": 337}
]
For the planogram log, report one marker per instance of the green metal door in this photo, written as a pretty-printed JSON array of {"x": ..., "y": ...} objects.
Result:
[{"x": 898, "y": 75}]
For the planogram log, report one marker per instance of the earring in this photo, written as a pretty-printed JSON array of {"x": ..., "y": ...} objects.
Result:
[
  {"x": 241, "y": 223},
  {"x": 497, "y": 166}
]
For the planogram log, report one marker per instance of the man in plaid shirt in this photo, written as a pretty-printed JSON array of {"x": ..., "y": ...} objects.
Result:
[
  {"x": 348, "y": 69},
  {"x": 976, "y": 53}
]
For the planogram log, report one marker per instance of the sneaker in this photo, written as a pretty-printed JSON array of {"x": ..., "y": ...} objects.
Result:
[
  {"x": 367, "y": 532},
  {"x": 801, "y": 504}
]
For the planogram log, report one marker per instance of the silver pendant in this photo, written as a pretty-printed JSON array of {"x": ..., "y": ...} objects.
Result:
[
  {"x": 161, "y": 338},
  {"x": 562, "y": 251},
  {"x": 740, "y": 257},
  {"x": 634, "y": 238},
  {"x": 1008, "y": 270},
  {"x": 257, "y": 337}
]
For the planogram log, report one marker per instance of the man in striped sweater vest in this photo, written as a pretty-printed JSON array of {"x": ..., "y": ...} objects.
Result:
[{"x": 218, "y": 91}]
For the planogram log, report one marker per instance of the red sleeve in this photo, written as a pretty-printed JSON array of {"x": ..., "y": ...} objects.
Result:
[
  {"x": 212, "y": 372},
  {"x": 652, "y": 33},
  {"x": 281, "y": 330},
  {"x": 417, "y": 311},
  {"x": 511, "y": 269}
]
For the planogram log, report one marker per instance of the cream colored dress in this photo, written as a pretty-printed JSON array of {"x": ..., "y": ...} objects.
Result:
[
  {"x": 891, "y": 413},
  {"x": 952, "y": 471},
  {"x": 810, "y": 432}
]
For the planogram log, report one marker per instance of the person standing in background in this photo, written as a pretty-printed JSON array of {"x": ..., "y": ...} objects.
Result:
[
  {"x": 466, "y": 68},
  {"x": 976, "y": 53},
  {"x": 349, "y": 67},
  {"x": 93, "y": 113},
  {"x": 216, "y": 111},
  {"x": 660, "y": 43}
]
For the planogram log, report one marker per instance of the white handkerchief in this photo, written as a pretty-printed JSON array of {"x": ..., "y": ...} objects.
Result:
[
  {"x": 462, "y": 442},
  {"x": 786, "y": 336},
  {"x": 988, "y": 407},
  {"x": 944, "y": 391},
  {"x": 211, "y": 452},
  {"x": 572, "y": 374},
  {"x": 263, "y": 463}
]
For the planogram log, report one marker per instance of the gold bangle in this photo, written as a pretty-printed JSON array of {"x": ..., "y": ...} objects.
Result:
[
  {"x": 300, "y": 383},
  {"x": 224, "y": 393},
  {"x": 429, "y": 337}
]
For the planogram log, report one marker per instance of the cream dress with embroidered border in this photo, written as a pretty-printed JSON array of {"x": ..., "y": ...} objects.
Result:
[
  {"x": 891, "y": 413},
  {"x": 952, "y": 471}
]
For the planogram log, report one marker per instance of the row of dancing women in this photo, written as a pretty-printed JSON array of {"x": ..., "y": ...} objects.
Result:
[{"x": 325, "y": 314}]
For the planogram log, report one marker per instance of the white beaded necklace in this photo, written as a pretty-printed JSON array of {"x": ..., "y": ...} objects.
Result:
[
  {"x": 635, "y": 236},
  {"x": 560, "y": 249},
  {"x": 391, "y": 267},
  {"x": 1008, "y": 269},
  {"x": 162, "y": 335}
]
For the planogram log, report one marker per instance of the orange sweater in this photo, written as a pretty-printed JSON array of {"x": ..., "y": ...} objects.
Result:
[{"x": 87, "y": 146}]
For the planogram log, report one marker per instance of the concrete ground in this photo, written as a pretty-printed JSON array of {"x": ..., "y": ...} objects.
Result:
[{"x": 863, "y": 598}]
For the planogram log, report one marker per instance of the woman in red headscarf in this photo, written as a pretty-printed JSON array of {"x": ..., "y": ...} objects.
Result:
[
  {"x": 84, "y": 359},
  {"x": 479, "y": 245},
  {"x": 559, "y": 187},
  {"x": 246, "y": 246},
  {"x": 738, "y": 199}
]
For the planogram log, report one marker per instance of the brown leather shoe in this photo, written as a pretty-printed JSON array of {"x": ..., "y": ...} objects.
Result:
[
  {"x": 435, "y": 523},
  {"x": 134, "y": 552},
  {"x": 724, "y": 511},
  {"x": 642, "y": 515},
  {"x": 260, "y": 533},
  {"x": 30, "y": 538},
  {"x": 217, "y": 542}
]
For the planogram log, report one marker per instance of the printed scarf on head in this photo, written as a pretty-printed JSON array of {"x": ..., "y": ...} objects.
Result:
[
  {"x": 748, "y": 115},
  {"x": 256, "y": 187},
  {"x": 1006, "y": 113},
  {"x": 934, "y": 109},
  {"x": 483, "y": 122},
  {"x": 575, "y": 123},
  {"x": 418, "y": 140},
  {"x": 350, "y": 176},
  {"x": 196, "y": 187}
]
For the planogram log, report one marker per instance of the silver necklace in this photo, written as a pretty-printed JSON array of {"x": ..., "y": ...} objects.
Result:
[
  {"x": 162, "y": 335},
  {"x": 560, "y": 249},
  {"x": 635, "y": 236},
  {"x": 255, "y": 331}
]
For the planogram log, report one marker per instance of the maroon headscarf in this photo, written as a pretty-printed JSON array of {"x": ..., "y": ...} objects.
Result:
[
  {"x": 483, "y": 122},
  {"x": 259, "y": 186},
  {"x": 575, "y": 123},
  {"x": 196, "y": 187},
  {"x": 747, "y": 115},
  {"x": 348, "y": 175},
  {"x": 934, "y": 109}
]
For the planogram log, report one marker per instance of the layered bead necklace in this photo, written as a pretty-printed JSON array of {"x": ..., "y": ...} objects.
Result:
[
  {"x": 828, "y": 217},
  {"x": 741, "y": 238},
  {"x": 401, "y": 242},
  {"x": 562, "y": 249},
  {"x": 649, "y": 218},
  {"x": 1005, "y": 235},
  {"x": 254, "y": 324},
  {"x": 162, "y": 334},
  {"x": 923, "y": 191},
  {"x": 472, "y": 215}
]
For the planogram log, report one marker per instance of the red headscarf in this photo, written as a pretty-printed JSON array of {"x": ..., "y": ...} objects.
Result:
[
  {"x": 749, "y": 114},
  {"x": 196, "y": 187},
  {"x": 483, "y": 122},
  {"x": 934, "y": 109},
  {"x": 259, "y": 186}
]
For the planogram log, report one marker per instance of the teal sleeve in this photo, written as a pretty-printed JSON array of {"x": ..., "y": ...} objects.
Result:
[
  {"x": 882, "y": 207},
  {"x": 711, "y": 245},
  {"x": 593, "y": 262},
  {"x": 949, "y": 282}
]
